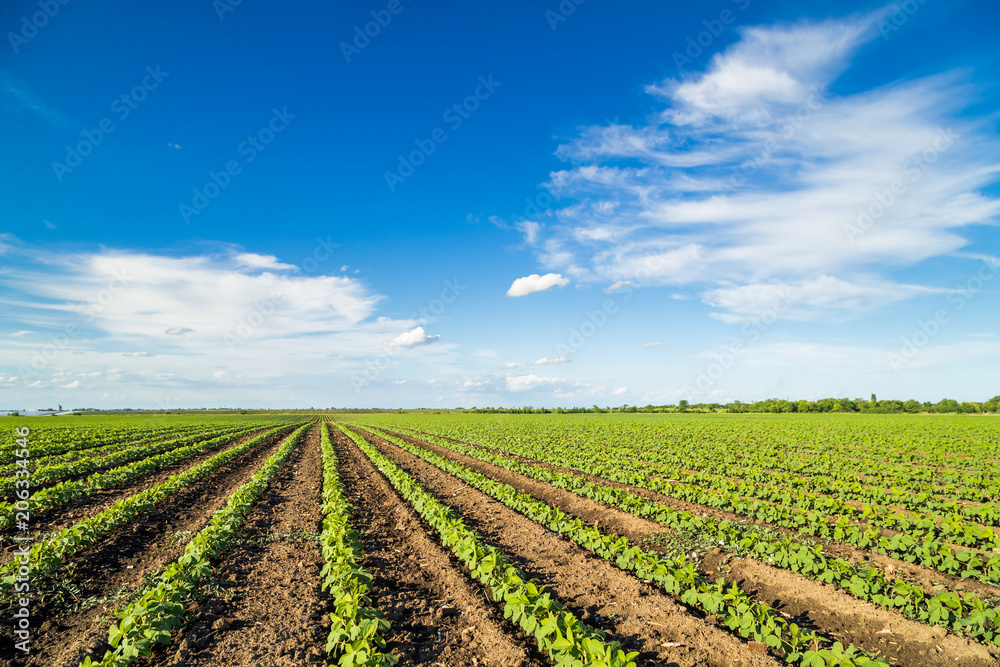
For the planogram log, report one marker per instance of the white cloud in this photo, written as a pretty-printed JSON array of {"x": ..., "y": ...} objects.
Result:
[
  {"x": 616, "y": 286},
  {"x": 511, "y": 364},
  {"x": 756, "y": 174},
  {"x": 652, "y": 344},
  {"x": 536, "y": 283},
  {"x": 267, "y": 323},
  {"x": 22, "y": 332},
  {"x": 413, "y": 338},
  {"x": 72, "y": 385},
  {"x": 268, "y": 262},
  {"x": 554, "y": 359},
  {"x": 530, "y": 381},
  {"x": 619, "y": 391},
  {"x": 821, "y": 298}
]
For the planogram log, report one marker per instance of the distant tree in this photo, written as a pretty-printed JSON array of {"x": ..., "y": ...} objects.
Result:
[
  {"x": 946, "y": 405},
  {"x": 682, "y": 406}
]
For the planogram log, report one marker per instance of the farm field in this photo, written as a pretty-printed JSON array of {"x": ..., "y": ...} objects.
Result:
[{"x": 462, "y": 539}]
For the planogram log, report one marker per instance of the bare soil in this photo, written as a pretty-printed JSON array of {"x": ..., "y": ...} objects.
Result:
[
  {"x": 931, "y": 580},
  {"x": 629, "y": 610},
  {"x": 438, "y": 614},
  {"x": 90, "y": 505},
  {"x": 269, "y": 608},
  {"x": 828, "y": 608},
  {"x": 122, "y": 561}
]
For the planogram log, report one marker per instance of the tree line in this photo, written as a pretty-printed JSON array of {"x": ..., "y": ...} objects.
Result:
[{"x": 778, "y": 405}]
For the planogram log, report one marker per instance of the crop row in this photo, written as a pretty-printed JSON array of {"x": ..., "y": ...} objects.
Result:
[
  {"x": 40, "y": 461},
  {"x": 49, "y": 554},
  {"x": 63, "y": 492},
  {"x": 49, "y": 441},
  {"x": 356, "y": 628},
  {"x": 81, "y": 466},
  {"x": 966, "y": 615},
  {"x": 929, "y": 550},
  {"x": 727, "y": 601},
  {"x": 806, "y": 493},
  {"x": 678, "y": 464},
  {"x": 754, "y": 453},
  {"x": 560, "y": 634},
  {"x": 159, "y": 611}
]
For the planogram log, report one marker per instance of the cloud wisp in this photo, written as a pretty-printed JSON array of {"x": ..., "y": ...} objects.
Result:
[{"x": 754, "y": 177}]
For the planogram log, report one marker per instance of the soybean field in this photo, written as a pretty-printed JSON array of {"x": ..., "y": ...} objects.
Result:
[{"x": 509, "y": 540}]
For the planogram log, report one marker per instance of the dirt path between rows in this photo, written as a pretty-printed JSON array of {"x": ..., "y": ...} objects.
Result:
[
  {"x": 933, "y": 581},
  {"x": 626, "y": 608},
  {"x": 826, "y": 607},
  {"x": 87, "y": 506},
  {"x": 124, "y": 559},
  {"x": 438, "y": 614},
  {"x": 271, "y": 610}
]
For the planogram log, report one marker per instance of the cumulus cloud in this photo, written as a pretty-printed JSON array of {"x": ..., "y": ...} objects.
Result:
[
  {"x": 536, "y": 283},
  {"x": 413, "y": 338},
  {"x": 754, "y": 174},
  {"x": 183, "y": 314}
]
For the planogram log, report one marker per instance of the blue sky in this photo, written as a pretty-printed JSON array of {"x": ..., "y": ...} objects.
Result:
[{"x": 497, "y": 204}]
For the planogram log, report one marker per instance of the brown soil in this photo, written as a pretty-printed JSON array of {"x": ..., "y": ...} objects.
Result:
[
  {"x": 438, "y": 615},
  {"x": 81, "y": 508},
  {"x": 123, "y": 560},
  {"x": 626, "y": 608},
  {"x": 825, "y": 607},
  {"x": 271, "y": 609},
  {"x": 931, "y": 580}
]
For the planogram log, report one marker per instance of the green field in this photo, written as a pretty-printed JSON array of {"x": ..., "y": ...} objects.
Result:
[{"x": 745, "y": 539}]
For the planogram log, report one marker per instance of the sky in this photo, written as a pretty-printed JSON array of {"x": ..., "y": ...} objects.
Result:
[{"x": 402, "y": 204}]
